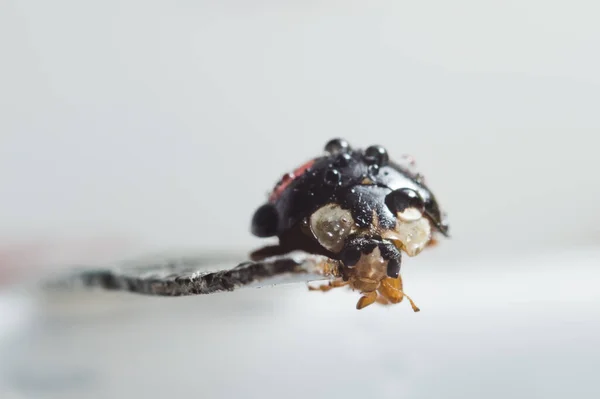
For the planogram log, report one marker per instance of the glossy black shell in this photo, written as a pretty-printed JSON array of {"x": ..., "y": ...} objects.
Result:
[{"x": 354, "y": 179}]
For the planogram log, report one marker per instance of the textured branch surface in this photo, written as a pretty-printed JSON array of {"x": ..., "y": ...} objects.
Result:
[{"x": 189, "y": 276}]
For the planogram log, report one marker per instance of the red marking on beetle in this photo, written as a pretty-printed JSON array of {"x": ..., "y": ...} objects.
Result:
[{"x": 287, "y": 179}]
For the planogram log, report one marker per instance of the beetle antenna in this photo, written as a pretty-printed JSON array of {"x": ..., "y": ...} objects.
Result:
[{"x": 414, "y": 307}]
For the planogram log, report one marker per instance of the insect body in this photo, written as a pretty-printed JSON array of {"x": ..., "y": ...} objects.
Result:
[{"x": 358, "y": 208}]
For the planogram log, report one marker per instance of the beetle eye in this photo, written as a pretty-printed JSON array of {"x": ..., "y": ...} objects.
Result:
[
  {"x": 350, "y": 256},
  {"x": 406, "y": 204},
  {"x": 331, "y": 225}
]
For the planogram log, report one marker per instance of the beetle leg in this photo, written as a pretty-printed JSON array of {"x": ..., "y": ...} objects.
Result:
[
  {"x": 268, "y": 251},
  {"x": 366, "y": 300},
  {"x": 331, "y": 284},
  {"x": 391, "y": 289}
]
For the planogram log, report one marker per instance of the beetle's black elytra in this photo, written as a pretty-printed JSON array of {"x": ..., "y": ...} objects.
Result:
[{"x": 388, "y": 205}]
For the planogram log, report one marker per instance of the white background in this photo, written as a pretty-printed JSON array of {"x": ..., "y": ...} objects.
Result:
[{"x": 163, "y": 125}]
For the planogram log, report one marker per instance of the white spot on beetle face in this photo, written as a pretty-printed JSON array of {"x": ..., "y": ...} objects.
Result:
[
  {"x": 412, "y": 236},
  {"x": 410, "y": 215},
  {"x": 330, "y": 225}
]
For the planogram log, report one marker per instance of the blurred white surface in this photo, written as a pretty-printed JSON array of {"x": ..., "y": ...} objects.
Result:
[
  {"x": 519, "y": 328},
  {"x": 164, "y": 124}
]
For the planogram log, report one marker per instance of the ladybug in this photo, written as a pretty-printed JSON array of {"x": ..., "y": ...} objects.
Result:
[{"x": 358, "y": 208}]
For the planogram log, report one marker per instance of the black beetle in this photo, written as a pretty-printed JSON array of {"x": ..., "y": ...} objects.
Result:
[{"x": 358, "y": 208}]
